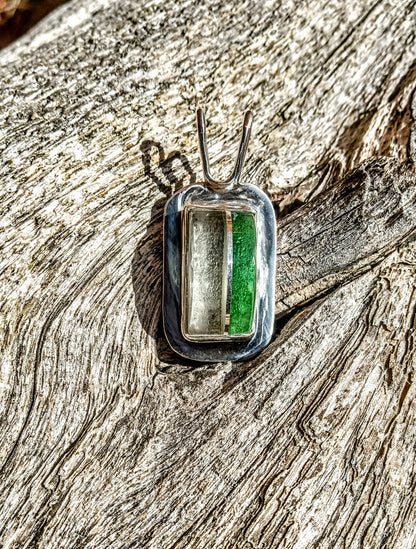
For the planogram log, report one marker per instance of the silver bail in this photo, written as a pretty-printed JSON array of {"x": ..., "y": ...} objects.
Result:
[{"x": 215, "y": 184}]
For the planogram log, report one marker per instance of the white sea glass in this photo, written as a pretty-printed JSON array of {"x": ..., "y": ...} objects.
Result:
[{"x": 207, "y": 272}]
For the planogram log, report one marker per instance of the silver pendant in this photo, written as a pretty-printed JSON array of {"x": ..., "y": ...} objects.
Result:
[{"x": 219, "y": 264}]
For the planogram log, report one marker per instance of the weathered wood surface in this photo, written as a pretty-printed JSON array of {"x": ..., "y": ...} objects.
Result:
[
  {"x": 107, "y": 439},
  {"x": 18, "y": 16}
]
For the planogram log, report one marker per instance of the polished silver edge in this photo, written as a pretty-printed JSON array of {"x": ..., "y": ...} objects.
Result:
[{"x": 225, "y": 207}]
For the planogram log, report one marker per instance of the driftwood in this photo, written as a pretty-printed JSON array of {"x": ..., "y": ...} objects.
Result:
[
  {"x": 108, "y": 439},
  {"x": 18, "y": 16}
]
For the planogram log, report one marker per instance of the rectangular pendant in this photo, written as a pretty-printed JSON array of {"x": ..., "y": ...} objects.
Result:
[
  {"x": 219, "y": 261},
  {"x": 218, "y": 272}
]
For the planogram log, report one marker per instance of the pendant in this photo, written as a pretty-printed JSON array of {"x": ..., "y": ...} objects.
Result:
[{"x": 219, "y": 264}]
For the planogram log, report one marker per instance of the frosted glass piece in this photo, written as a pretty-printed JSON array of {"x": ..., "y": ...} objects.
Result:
[
  {"x": 244, "y": 273},
  {"x": 207, "y": 272}
]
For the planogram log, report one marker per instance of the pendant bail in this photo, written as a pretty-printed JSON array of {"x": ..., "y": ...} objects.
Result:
[{"x": 215, "y": 184}]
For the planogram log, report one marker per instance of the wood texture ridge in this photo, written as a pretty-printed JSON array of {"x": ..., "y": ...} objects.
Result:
[{"x": 107, "y": 439}]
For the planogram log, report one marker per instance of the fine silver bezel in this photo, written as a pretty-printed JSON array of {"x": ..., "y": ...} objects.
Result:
[{"x": 227, "y": 207}]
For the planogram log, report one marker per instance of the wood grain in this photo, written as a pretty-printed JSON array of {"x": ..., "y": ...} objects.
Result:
[
  {"x": 18, "y": 16},
  {"x": 107, "y": 439}
]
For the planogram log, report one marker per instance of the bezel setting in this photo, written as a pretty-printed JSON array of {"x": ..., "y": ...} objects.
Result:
[
  {"x": 227, "y": 208},
  {"x": 218, "y": 349}
]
